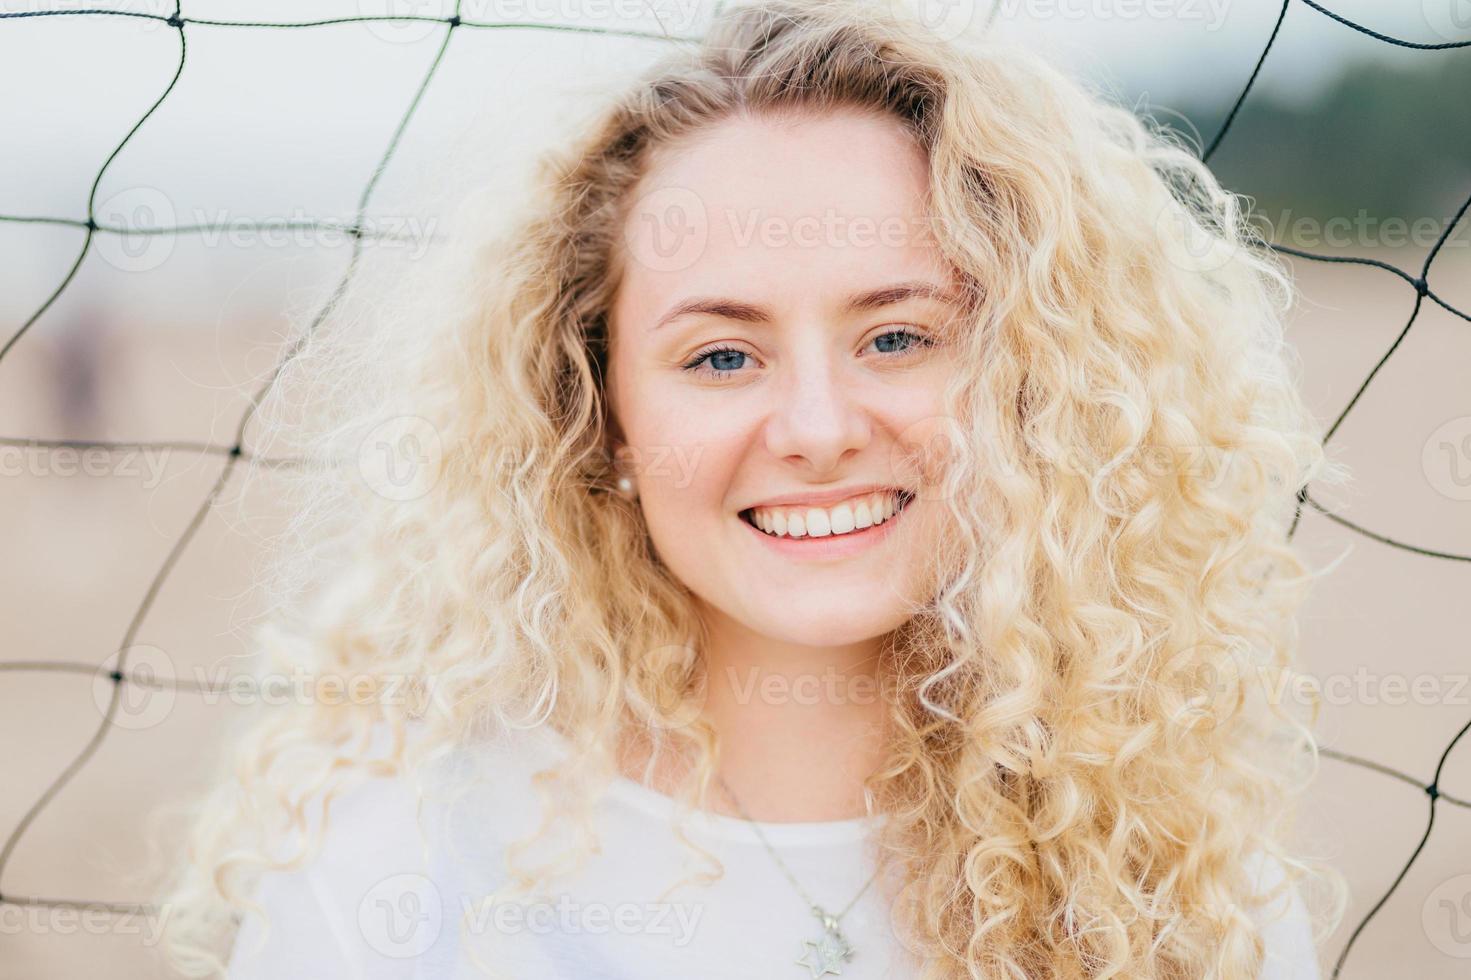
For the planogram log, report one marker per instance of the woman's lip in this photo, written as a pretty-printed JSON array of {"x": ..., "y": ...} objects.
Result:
[
  {"x": 829, "y": 498},
  {"x": 829, "y": 545}
]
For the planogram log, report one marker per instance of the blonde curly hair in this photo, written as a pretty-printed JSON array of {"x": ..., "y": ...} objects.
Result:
[{"x": 1084, "y": 743}]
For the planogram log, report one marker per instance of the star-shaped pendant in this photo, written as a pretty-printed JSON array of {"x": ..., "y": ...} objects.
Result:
[{"x": 825, "y": 955}]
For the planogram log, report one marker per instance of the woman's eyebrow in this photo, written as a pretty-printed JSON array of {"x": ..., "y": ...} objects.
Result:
[{"x": 873, "y": 299}]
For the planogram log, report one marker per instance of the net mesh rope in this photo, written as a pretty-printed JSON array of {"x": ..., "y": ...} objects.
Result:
[{"x": 1418, "y": 281}]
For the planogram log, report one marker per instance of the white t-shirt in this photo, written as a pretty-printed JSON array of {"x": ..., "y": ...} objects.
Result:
[{"x": 406, "y": 897}]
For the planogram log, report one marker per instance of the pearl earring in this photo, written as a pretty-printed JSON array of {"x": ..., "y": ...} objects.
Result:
[{"x": 626, "y": 487}]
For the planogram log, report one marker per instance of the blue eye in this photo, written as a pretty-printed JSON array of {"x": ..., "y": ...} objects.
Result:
[
  {"x": 721, "y": 362},
  {"x": 717, "y": 357},
  {"x": 917, "y": 339}
]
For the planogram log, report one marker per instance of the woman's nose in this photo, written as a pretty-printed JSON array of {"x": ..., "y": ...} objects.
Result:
[{"x": 816, "y": 417}]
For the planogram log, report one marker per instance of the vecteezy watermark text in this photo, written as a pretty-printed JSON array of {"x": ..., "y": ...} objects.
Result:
[{"x": 1211, "y": 13}]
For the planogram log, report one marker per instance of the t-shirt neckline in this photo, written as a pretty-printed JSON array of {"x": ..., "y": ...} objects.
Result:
[{"x": 651, "y": 802}]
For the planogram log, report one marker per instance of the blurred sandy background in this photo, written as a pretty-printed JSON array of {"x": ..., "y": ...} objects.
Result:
[{"x": 174, "y": 352}]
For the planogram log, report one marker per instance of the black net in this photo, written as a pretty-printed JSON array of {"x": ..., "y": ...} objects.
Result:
[{"x": 360, "y": 229}]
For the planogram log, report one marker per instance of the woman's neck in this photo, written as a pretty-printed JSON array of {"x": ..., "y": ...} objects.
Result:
[{"x": 800, "y": 727}]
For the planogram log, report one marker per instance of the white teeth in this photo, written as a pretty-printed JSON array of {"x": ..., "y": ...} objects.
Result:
[
  {"x": 819, "y": 525},
  {"x": 842, "y": 521},
  {"x": 817, "y": 522}
]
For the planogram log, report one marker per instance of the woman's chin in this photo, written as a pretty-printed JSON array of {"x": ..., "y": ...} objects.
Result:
[{"x": 815, "y": 623}]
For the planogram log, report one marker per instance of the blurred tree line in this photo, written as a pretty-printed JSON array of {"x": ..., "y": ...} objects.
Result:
[{"x": 1378, "y": 143}]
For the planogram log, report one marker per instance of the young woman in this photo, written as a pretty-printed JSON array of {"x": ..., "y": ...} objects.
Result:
[{"x": 848, "y": 538}]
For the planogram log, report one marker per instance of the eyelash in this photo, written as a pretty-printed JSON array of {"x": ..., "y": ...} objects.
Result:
[{"x": 693, "y": 365}]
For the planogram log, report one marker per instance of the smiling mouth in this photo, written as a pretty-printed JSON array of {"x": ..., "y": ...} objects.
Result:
[{"x": 902, "y": 499}]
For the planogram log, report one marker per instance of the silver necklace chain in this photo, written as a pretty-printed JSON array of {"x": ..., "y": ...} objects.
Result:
[{"x": 831, "y": 949}]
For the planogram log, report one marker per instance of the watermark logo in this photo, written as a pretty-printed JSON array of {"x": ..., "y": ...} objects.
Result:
[
  {"x": 155, "y": 14},
  {"x": 1446, "y": 458},
  {"x": 830, "y": 229},
  {"x": 932, "y": 19},
  {"x": 1206, "y": 682},
  {"x": 411, "y": 21},
  {"x": 142, "y": 926},
  {"x": 1446, "y": 917},
  {"x": 50, "y": 462},
  {"x": 148, "y": 684},
  {"x": 1211, "y": 684},
  {"x": 565, "y": 915},
  {"x": 399, "y": 459},
  {"x": 1450, "y": 19},
  {"x": 673, "y": 465},
  {"x": 1210, "y": 15},
  {"x": 149, "y": 217},
  {"x": 145, "y": 694},
  {"x": 923, "y": 454},
  {"x": 401, "y": 916},
  {"x": 139, "y": 227},
  {"x": 667, "y": 229},
  {"x": 1190, "y": 245},
  {"x": 1361, "y": 229},
  {"x": 672, "y": 708},
  {"x": 924, "y": 457},
  {"x": 420, "y": 19},
  {"x": 830, "y": 687}
]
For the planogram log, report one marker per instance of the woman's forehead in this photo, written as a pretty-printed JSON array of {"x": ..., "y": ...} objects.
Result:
[
  {"x": 850, "y": 164},
  {"x": 781, "y": 211}
]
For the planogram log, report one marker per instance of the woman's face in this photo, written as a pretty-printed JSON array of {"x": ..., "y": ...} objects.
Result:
[{"x": 772, "y": 345}]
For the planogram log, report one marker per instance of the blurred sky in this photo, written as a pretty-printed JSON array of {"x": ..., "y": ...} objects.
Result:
[{"x": 287, "y": 124}]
